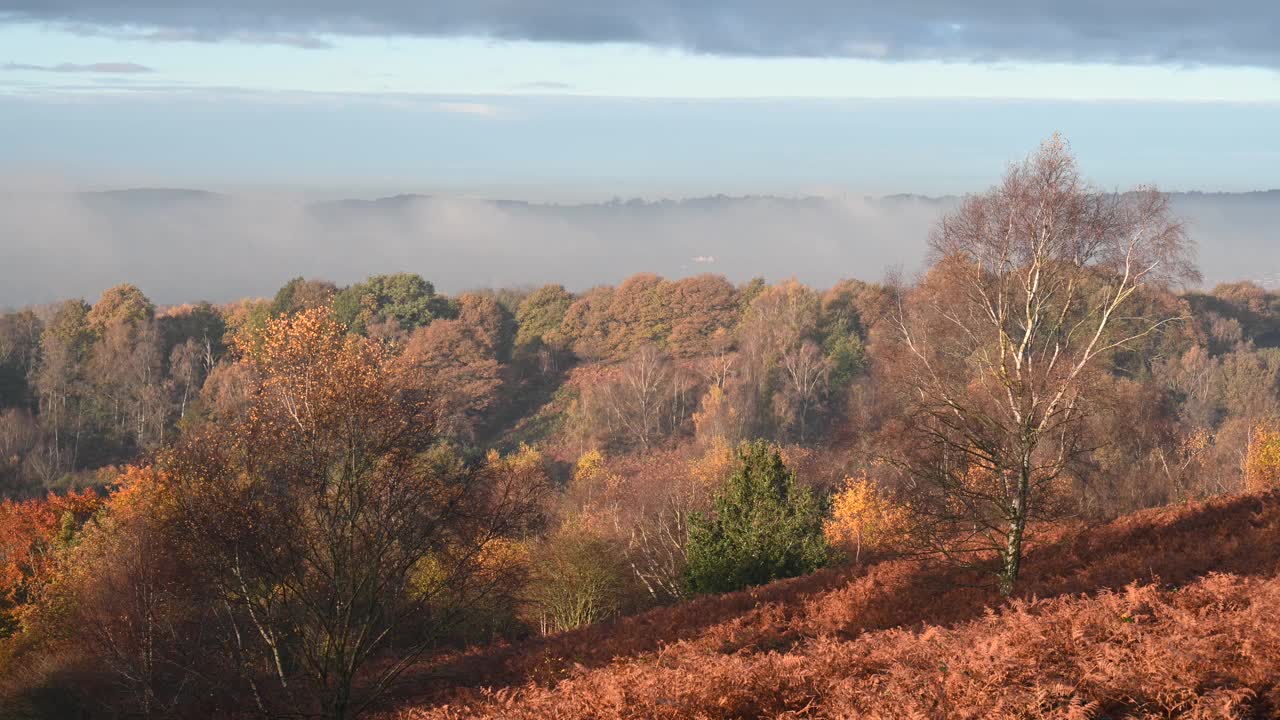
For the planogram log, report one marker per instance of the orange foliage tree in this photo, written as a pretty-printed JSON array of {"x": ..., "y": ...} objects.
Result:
[
  {"x": 312, "y": 512},
  {"x": 456, "y": 362},
  {"x": 31, "y": 533},
  {"x": 127, "y": 603},
  {"x": 863, "y": 517}
]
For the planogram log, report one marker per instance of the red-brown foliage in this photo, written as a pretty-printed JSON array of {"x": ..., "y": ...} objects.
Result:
[
  {"x": 1163, "y": 613},
  {"x": 29, "y": 535}
]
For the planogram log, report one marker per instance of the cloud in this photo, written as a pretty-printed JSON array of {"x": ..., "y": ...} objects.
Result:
[
  {"x": 542, "y": 85},
  {"x": 470, "y": 108},
  {"x": 305, "y": 41},
  {"x": 1228, "y": 32},
  {"x": 114, "y": 68}
]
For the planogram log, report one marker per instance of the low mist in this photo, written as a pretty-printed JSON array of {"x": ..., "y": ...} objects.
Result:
[{"x": 181, "y": 246}]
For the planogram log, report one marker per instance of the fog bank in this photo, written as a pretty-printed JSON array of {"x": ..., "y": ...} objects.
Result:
[{"x": 181, "y": 246}]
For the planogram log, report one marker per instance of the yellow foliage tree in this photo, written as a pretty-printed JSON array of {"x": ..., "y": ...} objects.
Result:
[
  {"x": 714, "y": 466},
  {"x": 862, "y": 517},
  {"x": 589, "y": 466},
  {"x": 717, "y": 422},
  {"x": 1262, "y": 462}
]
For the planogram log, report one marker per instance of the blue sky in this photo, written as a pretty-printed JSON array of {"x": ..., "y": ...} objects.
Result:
[{"x": 667, "y": 103}]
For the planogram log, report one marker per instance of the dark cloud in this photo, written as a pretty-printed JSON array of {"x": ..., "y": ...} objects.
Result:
[
  {"x": 1232, "y": 32},
  {"x": 306, "y": 41},
  {"x": 115, "y": 68}
]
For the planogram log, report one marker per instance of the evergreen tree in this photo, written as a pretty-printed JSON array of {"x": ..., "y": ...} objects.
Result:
[{"x": 765, "y": 527}]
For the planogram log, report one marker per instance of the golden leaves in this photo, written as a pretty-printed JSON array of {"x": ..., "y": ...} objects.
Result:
[
  {"x": 1262, "y": 460},
  {"x": 862, "y": 517}
]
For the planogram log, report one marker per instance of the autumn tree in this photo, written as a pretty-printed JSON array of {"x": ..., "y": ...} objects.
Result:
[
  {"x": 749, "y": 291},
  {"x": 641, "y": 314},
  {"x": 492, "y": 321},
  {"x": 1262, "y": 461},
  {"x": 493, "y": 600},
  {"x": 1029, "y": 293},
  {"x": 607, "y": 323},
  {"x": 200, "y": 324},
  {"x": 301, "y": 294},
  {"x": 783, "y": 373},
  {"x": 103, "y": 382},
  {"x": 587, "y": 324},
  {"x": 716, "y": 421},
  {"x": 126, "y": 369},
  {"x": 701, "y": 307},
  {"x": 313, "y": 512},
  {"x": 1250, "y": 383},
  {"x": 642, "y": 400},
  {"x": 864, "y": 517},
  {"x": 659, "y": 500},
  {"x": 31, "y": 534},
  {"x": 126, "y": 596},
  {"x": 19, "y": 428},
  {"x": 642, "y": 504},
  {"x": 193, "y": 342},
  {"x": 19, "y": 439},
  {"x": 806, "y": 374},
  {"x": 244, "y": 321},
  {"x": 765, "y": 526},
  {"x": 1244, "y": 310},
  {"x": 841, "y": 327},
  {"x": 121, "y": 305},
  {"x": 456, "y": 362}
]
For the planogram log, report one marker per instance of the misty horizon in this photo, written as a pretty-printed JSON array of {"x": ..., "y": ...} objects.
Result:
[{"x": 182, "y": 245}]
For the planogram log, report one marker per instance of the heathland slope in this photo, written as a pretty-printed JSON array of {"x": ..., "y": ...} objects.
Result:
[{"x": 1165, "y": 613}]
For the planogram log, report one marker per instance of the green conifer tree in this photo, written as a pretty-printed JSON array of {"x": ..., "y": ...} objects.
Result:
[{"x": 765, "y": 527}]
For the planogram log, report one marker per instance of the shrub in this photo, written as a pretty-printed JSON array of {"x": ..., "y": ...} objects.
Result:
[{"x": 580, "y": 578}]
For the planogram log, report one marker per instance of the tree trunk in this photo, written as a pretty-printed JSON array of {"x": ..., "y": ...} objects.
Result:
[{"x": 1012, "y": 554}]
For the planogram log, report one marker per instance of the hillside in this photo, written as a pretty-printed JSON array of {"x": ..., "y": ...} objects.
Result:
[{"x": 1165, "y": 613}]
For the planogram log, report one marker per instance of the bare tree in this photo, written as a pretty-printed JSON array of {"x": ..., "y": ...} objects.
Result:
[
  {"x": 718, "y": 367},
  {"x": 655, "y": 529},
  {"x": 1026, "y": 296},
  {"x": 806, "y": 371},
  {"x": 644, "y": 399},
  {"x": 777, "y": 323}
]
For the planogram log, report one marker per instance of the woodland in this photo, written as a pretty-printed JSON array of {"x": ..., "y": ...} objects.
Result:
[{"x": 1039, "y": 480}]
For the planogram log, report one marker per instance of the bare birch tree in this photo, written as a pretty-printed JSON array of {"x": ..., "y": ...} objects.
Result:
[{"x": 1027, "y": 295}]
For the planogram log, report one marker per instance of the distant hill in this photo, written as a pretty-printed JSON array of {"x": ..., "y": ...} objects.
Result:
[
  {"x": 181, "y": 245},
  {"x": 1166, "y": 613},
  {"x": 160, "y": 198}
]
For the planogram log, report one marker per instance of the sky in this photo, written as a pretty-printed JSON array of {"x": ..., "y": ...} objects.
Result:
[{"x": 570, "y": 100}]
